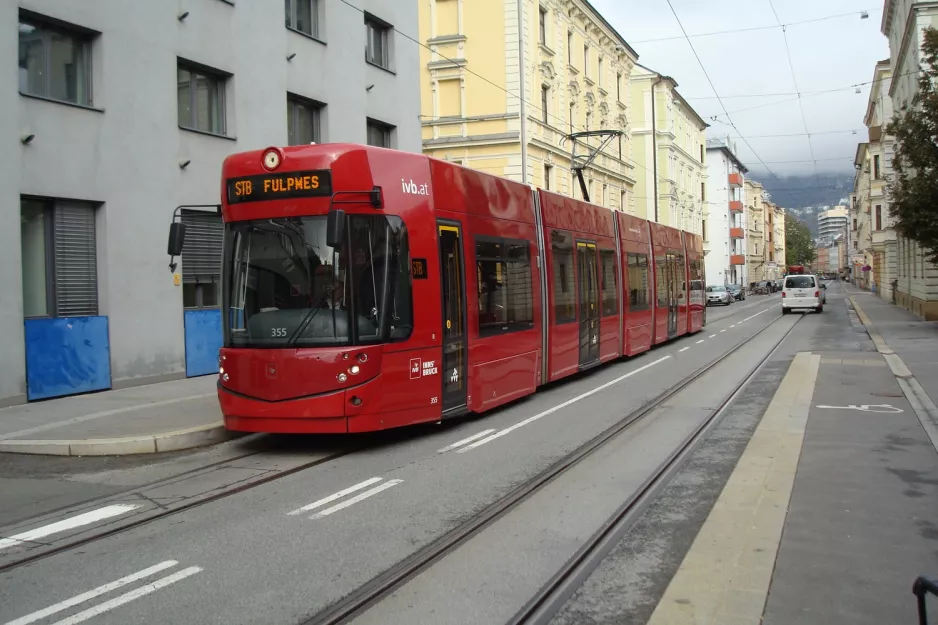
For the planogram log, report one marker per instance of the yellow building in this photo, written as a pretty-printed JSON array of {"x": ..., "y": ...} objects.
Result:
[
  {"x": 576, "y": 78},
  {"x": 668, "y": 127},
  {"x": 776, "y": 266},
  {"x": 755, "y": 231}
]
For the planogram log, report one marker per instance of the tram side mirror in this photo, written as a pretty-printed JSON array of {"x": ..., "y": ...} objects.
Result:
[
  {"x": 335, "y": 228},
  {"x": 177, "y": 236}
]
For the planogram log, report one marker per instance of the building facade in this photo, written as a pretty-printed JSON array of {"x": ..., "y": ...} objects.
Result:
[
  {"x": 832, "y": 222},
  {"x": 124, "y": 111},
  {"x": 904, "y": 22},
  {"x": 781, "y": 262},
  {"x": 880, "y": 147},
  {"x": 725, "y": 243},
  {"x": 755, "y": 232},
  {"x": 669, "y": 140},
  {"x": 861, "y": 231},
  {"x": 502, "y": 99}
]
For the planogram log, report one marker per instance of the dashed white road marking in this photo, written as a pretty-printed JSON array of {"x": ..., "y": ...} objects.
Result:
[
  {"x": 683, "y": 349},
  {"x": 79, "y": 520},
  {"x": 357, "y": 498},
  {"x": 465, "y": 440},
  {"x": 129, "y": 596},
  {"x": 554, "y": 409},
  {"x": 733, "y": 326},
  {"x": 700, "y": 341},
  {"x": 339, "y": 495},
  {"x": 91, "y": 594},
  {"x": 723, "y": 330},
  {"x": 711, "y": 336},
  {"x": 106, "y": 588}
]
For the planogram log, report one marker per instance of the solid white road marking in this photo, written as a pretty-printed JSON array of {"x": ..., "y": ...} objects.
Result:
[
  {"x": 711, "y": 336},
  {"x": 757, "y": 314},
  {"x": 465, "y": 440},
  {"x": 71, "y": 523},
  {"x": 338, "y": 495},
  {"x": 129, "y": 596},
  {"x": 540, "y": 415},
  {"x": 91, "y": 594},
  {"x": 354, "y": 500},
  {"x": 700, "y": 341},
  {"x": 683, "y": 349}
]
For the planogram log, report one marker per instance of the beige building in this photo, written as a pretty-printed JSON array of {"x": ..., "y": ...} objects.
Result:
[
  {"x": 776, "y": 265},
  {"x": 669, "y": 147},
  {"x": 880, "y": 147},
  {"x": 755, "y": 232},
  {"x": 481, "y": 110},
  {"x": 861, "y": 231}
]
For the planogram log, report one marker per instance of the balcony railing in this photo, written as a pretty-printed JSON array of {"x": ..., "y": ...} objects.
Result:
[
  {"x": 736, "y": 233},
  {"x": 736, "y": 206},
  {"x": 736, "y": 180},
  {"x": 737, "y": 259}
]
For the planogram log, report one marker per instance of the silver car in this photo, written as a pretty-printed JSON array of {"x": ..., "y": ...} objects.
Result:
[{"x": 719, "y": 295}]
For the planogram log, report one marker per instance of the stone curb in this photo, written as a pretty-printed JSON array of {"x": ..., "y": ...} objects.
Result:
[{"x": 176, "y": 440}]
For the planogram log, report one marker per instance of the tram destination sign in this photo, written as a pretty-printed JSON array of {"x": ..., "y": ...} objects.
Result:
[{"x": 280, "y": 186}]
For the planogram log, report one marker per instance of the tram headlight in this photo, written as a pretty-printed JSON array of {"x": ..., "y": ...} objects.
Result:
[
  {"x": 354, "y": 370},
  {"x": 272, "y": 159},
  {"x": 221, "y": 370},
  {"x": 341, "y": 377},
  {"x": 224, "y": 378}
]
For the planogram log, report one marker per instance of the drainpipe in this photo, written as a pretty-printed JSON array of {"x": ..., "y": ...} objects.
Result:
[
  {"x": 522, "y": 83},
  {"x": 654, "y": 143}
]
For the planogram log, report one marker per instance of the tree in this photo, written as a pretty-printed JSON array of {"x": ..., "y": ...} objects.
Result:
[
  {"x": 799, "y": 248},
  {"x": 913, "y": 191}
]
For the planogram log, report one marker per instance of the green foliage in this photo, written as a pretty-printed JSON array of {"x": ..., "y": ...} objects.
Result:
[
  {"x": 799, "y": 247},
  {"x": 913, "y": 191}
]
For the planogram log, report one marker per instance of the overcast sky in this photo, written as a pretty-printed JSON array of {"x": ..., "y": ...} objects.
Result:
[{"x": 826, "y": 54}]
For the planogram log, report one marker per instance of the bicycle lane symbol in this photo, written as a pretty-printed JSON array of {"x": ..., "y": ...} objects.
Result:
[{"x": 884, "y": 408}]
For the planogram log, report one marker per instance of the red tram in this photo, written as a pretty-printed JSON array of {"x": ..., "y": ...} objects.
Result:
[
  {"x": 796, "y": 270},
  {"x": 366, "y": 288}
]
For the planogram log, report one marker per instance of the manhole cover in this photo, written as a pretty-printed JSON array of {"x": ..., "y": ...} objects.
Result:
[{"x": 887, "y": 394}]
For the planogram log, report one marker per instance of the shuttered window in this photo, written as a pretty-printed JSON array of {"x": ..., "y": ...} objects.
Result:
[
  {"x": 59, "y": 258},
  {"x": 201, "y": 258}
]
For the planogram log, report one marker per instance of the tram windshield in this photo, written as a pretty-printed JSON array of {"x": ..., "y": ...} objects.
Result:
[{"x": 284, "y": 287}]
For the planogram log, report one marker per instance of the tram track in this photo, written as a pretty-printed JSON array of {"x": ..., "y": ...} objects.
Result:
[
  {"x": 39, "y": 551},
  {"x": 551, "y": 598}
]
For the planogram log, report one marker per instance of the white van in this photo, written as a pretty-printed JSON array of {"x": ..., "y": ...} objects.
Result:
[{"x": 801, "y": 291}]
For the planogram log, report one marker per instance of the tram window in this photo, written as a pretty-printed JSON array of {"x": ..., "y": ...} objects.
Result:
[
  {"x": 662, "y": 279},
  {"x": 503, "y": 272},
  {"x": 561, "y": 251},
  {"x": 680, "y": 274},
  {"x": 608, "y": 258},
  {"x": 638, "y": 282}
]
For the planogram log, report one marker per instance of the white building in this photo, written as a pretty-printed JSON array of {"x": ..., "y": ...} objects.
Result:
[
  {"x": 124, "y": 111},
  {"x": 904, "y": 23},
  {"x": 832, "y": 222},
  {"x": 726, "y": 227}
]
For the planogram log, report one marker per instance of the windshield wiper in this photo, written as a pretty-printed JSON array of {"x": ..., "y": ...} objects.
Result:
[{"x": 308, "y": 319}]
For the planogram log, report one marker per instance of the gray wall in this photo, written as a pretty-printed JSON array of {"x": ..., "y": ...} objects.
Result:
[{"x": 126, "y": 155}]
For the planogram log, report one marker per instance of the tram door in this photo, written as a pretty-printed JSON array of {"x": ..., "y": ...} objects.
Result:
[
  {"x": 588, "y": 292},
  {"x": 453, "y": 287},
  {"x": 674, "y": 285}
]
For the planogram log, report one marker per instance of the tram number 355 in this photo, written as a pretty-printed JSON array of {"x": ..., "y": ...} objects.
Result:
[
  {"x": 278, "y": 332},
  {"x": 434, "y": 400}
]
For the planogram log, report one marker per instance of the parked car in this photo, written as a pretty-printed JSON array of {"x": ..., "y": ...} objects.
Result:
[
  {"x": 718, "y": 294},
  {"x": 802, "y": 291},
  {"x": 738, "y": 292}
]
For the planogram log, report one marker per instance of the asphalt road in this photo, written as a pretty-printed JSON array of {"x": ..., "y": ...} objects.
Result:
[{"x": 281, "y": 551}]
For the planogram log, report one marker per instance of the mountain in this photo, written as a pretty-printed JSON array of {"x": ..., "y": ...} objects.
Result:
[{"x": 804, "y": 196}]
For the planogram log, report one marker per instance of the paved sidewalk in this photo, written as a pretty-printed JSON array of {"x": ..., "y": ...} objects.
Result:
[{"x": 169, "y": 416}]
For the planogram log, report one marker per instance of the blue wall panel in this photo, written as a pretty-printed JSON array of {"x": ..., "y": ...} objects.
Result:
[
  {"x": 67, "y": 356},
  {"x": 203, "y": 340}
]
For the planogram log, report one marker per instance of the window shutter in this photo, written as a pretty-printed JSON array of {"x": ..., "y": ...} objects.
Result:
[
  {"x": 201, "y": 252},
  {"x": 76, "y": 265}
]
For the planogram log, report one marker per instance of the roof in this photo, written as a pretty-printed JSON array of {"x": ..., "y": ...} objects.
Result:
[
  {"x": 712, "y": 144},
  {"x": 609, "y": 26},
  {"x": 677, "y": 95}
]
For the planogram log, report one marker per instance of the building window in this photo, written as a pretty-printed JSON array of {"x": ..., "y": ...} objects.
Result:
[
  {"x": 586, "y": 60},
  {"x": 703, "y": 229},
  {"x": 609, "y": 292},
  {"x": 876, "y": 167},
  {"x": 303, "y": 16},
  {"x": 638, "y": 282},
  {"x": 599, "y": 76},
  {"x": 201, "y": 99},
  {"x": 54, "y": 62},
  {"x": 854, "y": 223},
  {"x": 377, "y": 34},
  {"x": 545, "y": 97},
  {"x": 570, "y": 47},
  {"x": 503, "y": 272},
  {"x": 201, "y": 259},
  {"x": 703, "y": 192},
  {"x": 879, "y": 217},
  {"x": 623, "y": 201},
  {"x": 620, "y": 146},
  {"x": 379, "y": 134},
  {"x": 59, "y": 258},
  {"x": 561, "y": 254},
  {"x": 548, "y": 170},
  {"x": 571, "y": 116},
  {"x": 303, "y": 121},
  {"x": 542, "y": 25}
]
